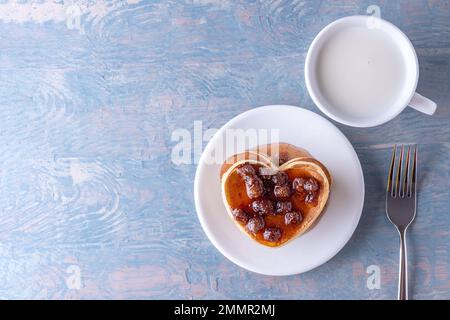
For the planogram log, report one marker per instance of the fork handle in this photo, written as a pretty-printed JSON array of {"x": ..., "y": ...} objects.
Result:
[{"x": 403, "y": 270}]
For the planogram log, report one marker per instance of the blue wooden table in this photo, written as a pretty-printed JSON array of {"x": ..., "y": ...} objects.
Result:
[{"x": 92, "y": 204}]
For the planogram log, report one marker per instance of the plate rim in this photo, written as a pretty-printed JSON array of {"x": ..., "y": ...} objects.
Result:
[{"x": 207, "y": 230}]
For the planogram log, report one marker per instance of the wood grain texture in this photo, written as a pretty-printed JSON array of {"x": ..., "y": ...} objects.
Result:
[{"x": 86, "y": 117}]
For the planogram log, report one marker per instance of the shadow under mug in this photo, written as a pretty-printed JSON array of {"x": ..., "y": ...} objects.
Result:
[{"x": 408, "y": 98}]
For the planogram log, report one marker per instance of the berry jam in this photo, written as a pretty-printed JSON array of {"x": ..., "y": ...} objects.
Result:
[{"x": 271, "y": 208}]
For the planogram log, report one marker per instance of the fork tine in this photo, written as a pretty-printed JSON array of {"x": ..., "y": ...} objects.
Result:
[
  {"x": 414, "y": 173},
  {"x": 406, "y": 174},
  {"x": 399, "y": 172},
  {"x": 391, "y": 171}
]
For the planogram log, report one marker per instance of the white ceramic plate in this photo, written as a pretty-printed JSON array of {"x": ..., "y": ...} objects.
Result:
[{"x": 326, "y": 143}]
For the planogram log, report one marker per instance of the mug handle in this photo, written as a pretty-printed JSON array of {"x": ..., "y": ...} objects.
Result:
[{"x": 422, "y": 104}]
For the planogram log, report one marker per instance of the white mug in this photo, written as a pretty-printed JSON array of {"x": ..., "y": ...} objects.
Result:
[{"x": 407, "y": 96}]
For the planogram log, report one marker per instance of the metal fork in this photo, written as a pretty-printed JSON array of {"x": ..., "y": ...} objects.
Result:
[{"x": 401, "y": 205}]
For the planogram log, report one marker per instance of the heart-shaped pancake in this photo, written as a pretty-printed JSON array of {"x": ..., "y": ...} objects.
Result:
[{"x": 274, "y": 193}]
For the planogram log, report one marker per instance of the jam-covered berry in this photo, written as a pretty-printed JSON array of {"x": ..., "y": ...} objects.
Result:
[
  {"x": 308, "y": 188},
  {"x": 246, "y": 170},
  {"x": 263, "y": 206},
  {"x": 280, "y": 178},
  {"x": 240, "y": 215},
  {"x": 292, "y": 217},
  {"x": 272, "y": 234},
  {"x": 254, "y": 187},
  {"x": 255, "y": 224},
  {"x": 311, "y": 185},
  {"x": 301, "y": 185},
  {"x": 282, "y": 191},
  {"x": 297, "y": 184},
  {"x": 283, "y": 206}
]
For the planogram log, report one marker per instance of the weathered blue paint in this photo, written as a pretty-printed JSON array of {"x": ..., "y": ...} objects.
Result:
[{"x": 86, "y": 116}]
